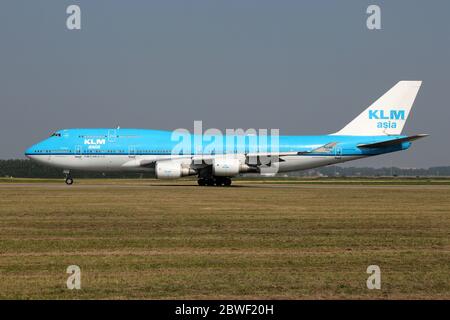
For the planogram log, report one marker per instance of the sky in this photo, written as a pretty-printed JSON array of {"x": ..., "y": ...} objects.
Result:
[{"x": 304, "y": 67}]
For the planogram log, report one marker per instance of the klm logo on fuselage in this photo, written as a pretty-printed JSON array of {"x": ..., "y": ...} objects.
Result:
[
  {"x": 388, "y": 119},
  {"x": 94, "y": 141}
]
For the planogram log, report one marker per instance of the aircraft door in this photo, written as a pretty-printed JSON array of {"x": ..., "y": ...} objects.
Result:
[
  {"x": 132, "y": 151},
  {"x": 112, "y": 135},
  {"x": 338, "y": 152},
  {"x": 78, "y": 151}
]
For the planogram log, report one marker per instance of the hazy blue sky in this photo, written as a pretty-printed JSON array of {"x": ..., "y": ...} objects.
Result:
[{"x": 305, "y": 67}]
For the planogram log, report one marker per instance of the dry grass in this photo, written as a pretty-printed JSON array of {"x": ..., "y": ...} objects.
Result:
[{"x": 158, "y": 240}]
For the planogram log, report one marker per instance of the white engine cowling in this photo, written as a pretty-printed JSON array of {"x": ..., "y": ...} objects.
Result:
[
  {"x": 225, "y": 167},
  {"x": 171, "y": 170}
]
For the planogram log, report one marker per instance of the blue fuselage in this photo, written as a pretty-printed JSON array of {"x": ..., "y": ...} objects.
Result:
[
  {"x": 169, "y": 156},
  {"x": 156, "y": 142}
]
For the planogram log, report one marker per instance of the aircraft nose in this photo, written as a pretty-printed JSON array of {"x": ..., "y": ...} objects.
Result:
[{"x": 31, "y": 151}]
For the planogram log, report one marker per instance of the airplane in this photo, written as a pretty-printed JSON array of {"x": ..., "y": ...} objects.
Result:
[{"x": 375, "y": 131}]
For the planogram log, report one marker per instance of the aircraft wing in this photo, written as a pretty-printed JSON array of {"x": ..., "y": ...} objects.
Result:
[
  {"x": 392, "y": 142},
  {"x": 326, "y": 148},
  {"x": 149, "y": 163},
  {"x": 271, "y": 154},
  {"x": 139, "y": 163}
]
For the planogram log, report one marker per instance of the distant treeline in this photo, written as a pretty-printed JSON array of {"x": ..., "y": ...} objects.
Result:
[
  {"x": 332, "y": 171},
  {"x": 30, "y": 169}
]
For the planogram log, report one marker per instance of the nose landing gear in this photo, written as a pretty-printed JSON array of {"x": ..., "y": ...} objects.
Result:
[{"x": 69, "y": 179}]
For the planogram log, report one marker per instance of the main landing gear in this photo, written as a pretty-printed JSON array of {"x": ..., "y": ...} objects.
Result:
[
  {"x": 69, "y": 179},
  {"x": 215, "y": 181}
]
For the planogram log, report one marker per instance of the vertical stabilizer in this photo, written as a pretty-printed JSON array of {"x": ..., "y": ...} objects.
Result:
[{"x": 387, "y": 115}]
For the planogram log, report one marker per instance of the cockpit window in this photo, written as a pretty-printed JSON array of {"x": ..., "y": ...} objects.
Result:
[{"x": 56, "y": 134}]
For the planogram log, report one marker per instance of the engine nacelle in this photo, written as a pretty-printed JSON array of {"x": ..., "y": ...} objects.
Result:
[
  {"x": 171, "y": 170},
  {"x": 226, "y": 167}
]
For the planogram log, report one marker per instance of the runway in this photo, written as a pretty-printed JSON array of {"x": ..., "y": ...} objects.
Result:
[{"x": 295, "y": 185}]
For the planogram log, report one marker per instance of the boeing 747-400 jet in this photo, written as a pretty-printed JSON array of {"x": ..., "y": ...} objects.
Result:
[{"x": 377, "y": 130}]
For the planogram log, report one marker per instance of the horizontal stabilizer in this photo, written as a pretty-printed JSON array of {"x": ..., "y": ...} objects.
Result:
[{"x": 392, "y": 142}]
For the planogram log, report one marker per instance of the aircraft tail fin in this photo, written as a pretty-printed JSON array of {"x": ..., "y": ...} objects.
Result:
[{"x": 387, "y": 115}]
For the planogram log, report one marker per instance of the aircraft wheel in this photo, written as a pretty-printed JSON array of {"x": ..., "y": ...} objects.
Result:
[
  {"x": 210, "y": 182},
  {"x": 69, "y": 181},
  {"x": 227, "y": 182},
  {"x": 219, "y": 182}
]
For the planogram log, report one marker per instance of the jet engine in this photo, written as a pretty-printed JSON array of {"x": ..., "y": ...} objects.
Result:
[
  {"x": 226, "y": 167},
  {"x": 172, "y": 170}
]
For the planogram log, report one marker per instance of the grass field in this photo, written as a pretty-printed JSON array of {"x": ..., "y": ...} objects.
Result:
[{"x": 258, "y": 239}]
